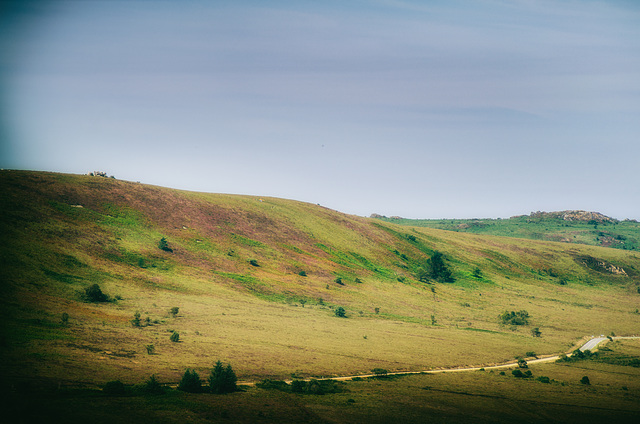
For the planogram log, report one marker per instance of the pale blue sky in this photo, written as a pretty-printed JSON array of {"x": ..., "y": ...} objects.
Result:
[{"x": 428, "y": 109}]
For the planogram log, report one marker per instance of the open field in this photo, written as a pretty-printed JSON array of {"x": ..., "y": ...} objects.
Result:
[{"x": 257, "y": 283}]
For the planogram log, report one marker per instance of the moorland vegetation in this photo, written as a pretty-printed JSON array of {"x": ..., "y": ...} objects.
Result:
[{"x": 281, "y": 288}]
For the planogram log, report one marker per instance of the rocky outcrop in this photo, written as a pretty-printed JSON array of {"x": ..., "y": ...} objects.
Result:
[{"x": 575, "y": 216}]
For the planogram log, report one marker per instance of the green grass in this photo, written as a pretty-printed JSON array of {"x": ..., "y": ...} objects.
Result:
[
  {"x": 619, "y": 235},
  {"x": 252, "y": 316}
]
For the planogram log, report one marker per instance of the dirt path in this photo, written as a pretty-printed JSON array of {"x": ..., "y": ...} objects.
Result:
[{"x": 587, "y": 343}]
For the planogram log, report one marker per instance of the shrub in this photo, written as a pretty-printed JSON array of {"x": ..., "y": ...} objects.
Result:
[
  {"x": 136, "y": 320},
  {"x": 190, "y": 382},
  {"x": 477, "y": 273},
  {"x": 94, "y": 294},
  {"x": 65, "y": 318},
  {"x": 152, "y": 386},
  {"x": 222, "y": 380},
  {"x": 543, "y": 379},
  {"x": 519, "y": 374},
  {"x": 522, "y": 363},
  {"x": 268, "y": 384},
  {"x": 175, "y": 337},
  {"x": 298, "y": 386},
  {"x": 531, "y": 354},
  {"x": 302, "y": 274},
  {"x": 174, "y": 311},
  {"x": 438, "y": 270},
  {"x": 379, "y": 371},
  {"x": 164, "y": 245},
  {"x": 585, "y": 380},
  {"x": 150, "y": 349},
  {"x": 114, "y": 388},
  {"x": 514, "y": 318},
  {"x": 339, "y": 281},
  {"x": 340, "y": 312},
  {"x": 535, "y": 332},
  {"x": 253, "y": 262}
]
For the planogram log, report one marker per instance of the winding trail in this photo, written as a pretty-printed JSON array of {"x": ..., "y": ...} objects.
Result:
[{"x": 591, "y": 344}]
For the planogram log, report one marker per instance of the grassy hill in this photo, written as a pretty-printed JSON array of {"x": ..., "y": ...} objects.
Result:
[
  {"x": 567, "y": 226},
  {"x": 258, "y": 281}
]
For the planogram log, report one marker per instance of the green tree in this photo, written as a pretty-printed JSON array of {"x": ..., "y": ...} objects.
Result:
[
  {"x": 152, "y": 386},
  {"x": 136, "y": 320},
  {"x": 175, "y": 337},
  {"x": 190, "y": 382},
  {"x": 585, "y": 380},
  {"x": 340, "y": 312},
  {"x": 65, "y": 318},
  {"x": 174, "y": 311},
  {"x": 163, "y": 244},
  {"x": 93, "y": 293},
  {"x": 477, "y": 273},
  {"x": 222, "y": 379},
  {"x": 535, "y": 332},
  {"x": 436, "y": 269}
]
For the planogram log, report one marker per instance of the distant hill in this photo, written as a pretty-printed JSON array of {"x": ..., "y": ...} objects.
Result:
[
  {"x": 572, "y": 226},
  {"x": 98, "y": 273}
]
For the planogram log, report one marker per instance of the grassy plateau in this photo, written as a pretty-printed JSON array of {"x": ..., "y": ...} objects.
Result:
[{"x": 257, "y": 283}]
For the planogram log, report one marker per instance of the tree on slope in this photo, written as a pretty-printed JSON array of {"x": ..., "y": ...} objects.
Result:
[{"x": 222, "y": 379}]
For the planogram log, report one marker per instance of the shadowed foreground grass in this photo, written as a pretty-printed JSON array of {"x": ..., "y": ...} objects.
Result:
[{"x": 613, "y": 395}]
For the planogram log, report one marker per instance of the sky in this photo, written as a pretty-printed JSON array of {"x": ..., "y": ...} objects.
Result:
[{"x": 419, "y": 109}]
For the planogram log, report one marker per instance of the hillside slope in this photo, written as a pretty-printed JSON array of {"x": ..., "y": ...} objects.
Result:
[{"x": 258, "y": 280}]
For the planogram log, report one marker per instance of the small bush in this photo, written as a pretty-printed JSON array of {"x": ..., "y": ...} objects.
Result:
[
  {"x": 114, "y": 388},
  {"x": 379, "y": 371},
  {"x": 585, "y": 380},
  {"x": 174, "y": 311},
  {"x": 535, "y": 332},
  {"x": 175, "y": 337},
  {"x": 339, "y": 281},
  {"x": 543, "y": 379},
  {"x": 298, "y": 386},
  {"x": 254, "y": 262},
  {"x": 340, "y": 312},
  {"x": 522, "y": 363},
  {"x": 94, "y": 294},
  {"x": 514, "y": 318},
  {"x": 152, "y": 386},
  {"x": 531, "y": 354},
  {"x": 268, "y": 384},
  {"x": 519, "y": 374},
  {"x": 136, "y": 320},
  {"x": 302, "y": 273},
  {"x": 65, "y": 318},
  {"x": 190, "y": 382},
  {"x": 477, "y": 273},
  {"x": 164, "y": 245},
  {"x": 150, "y": 349}
]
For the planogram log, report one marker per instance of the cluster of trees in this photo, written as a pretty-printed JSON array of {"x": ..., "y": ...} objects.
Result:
[{"x": 221, "y": 380}]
